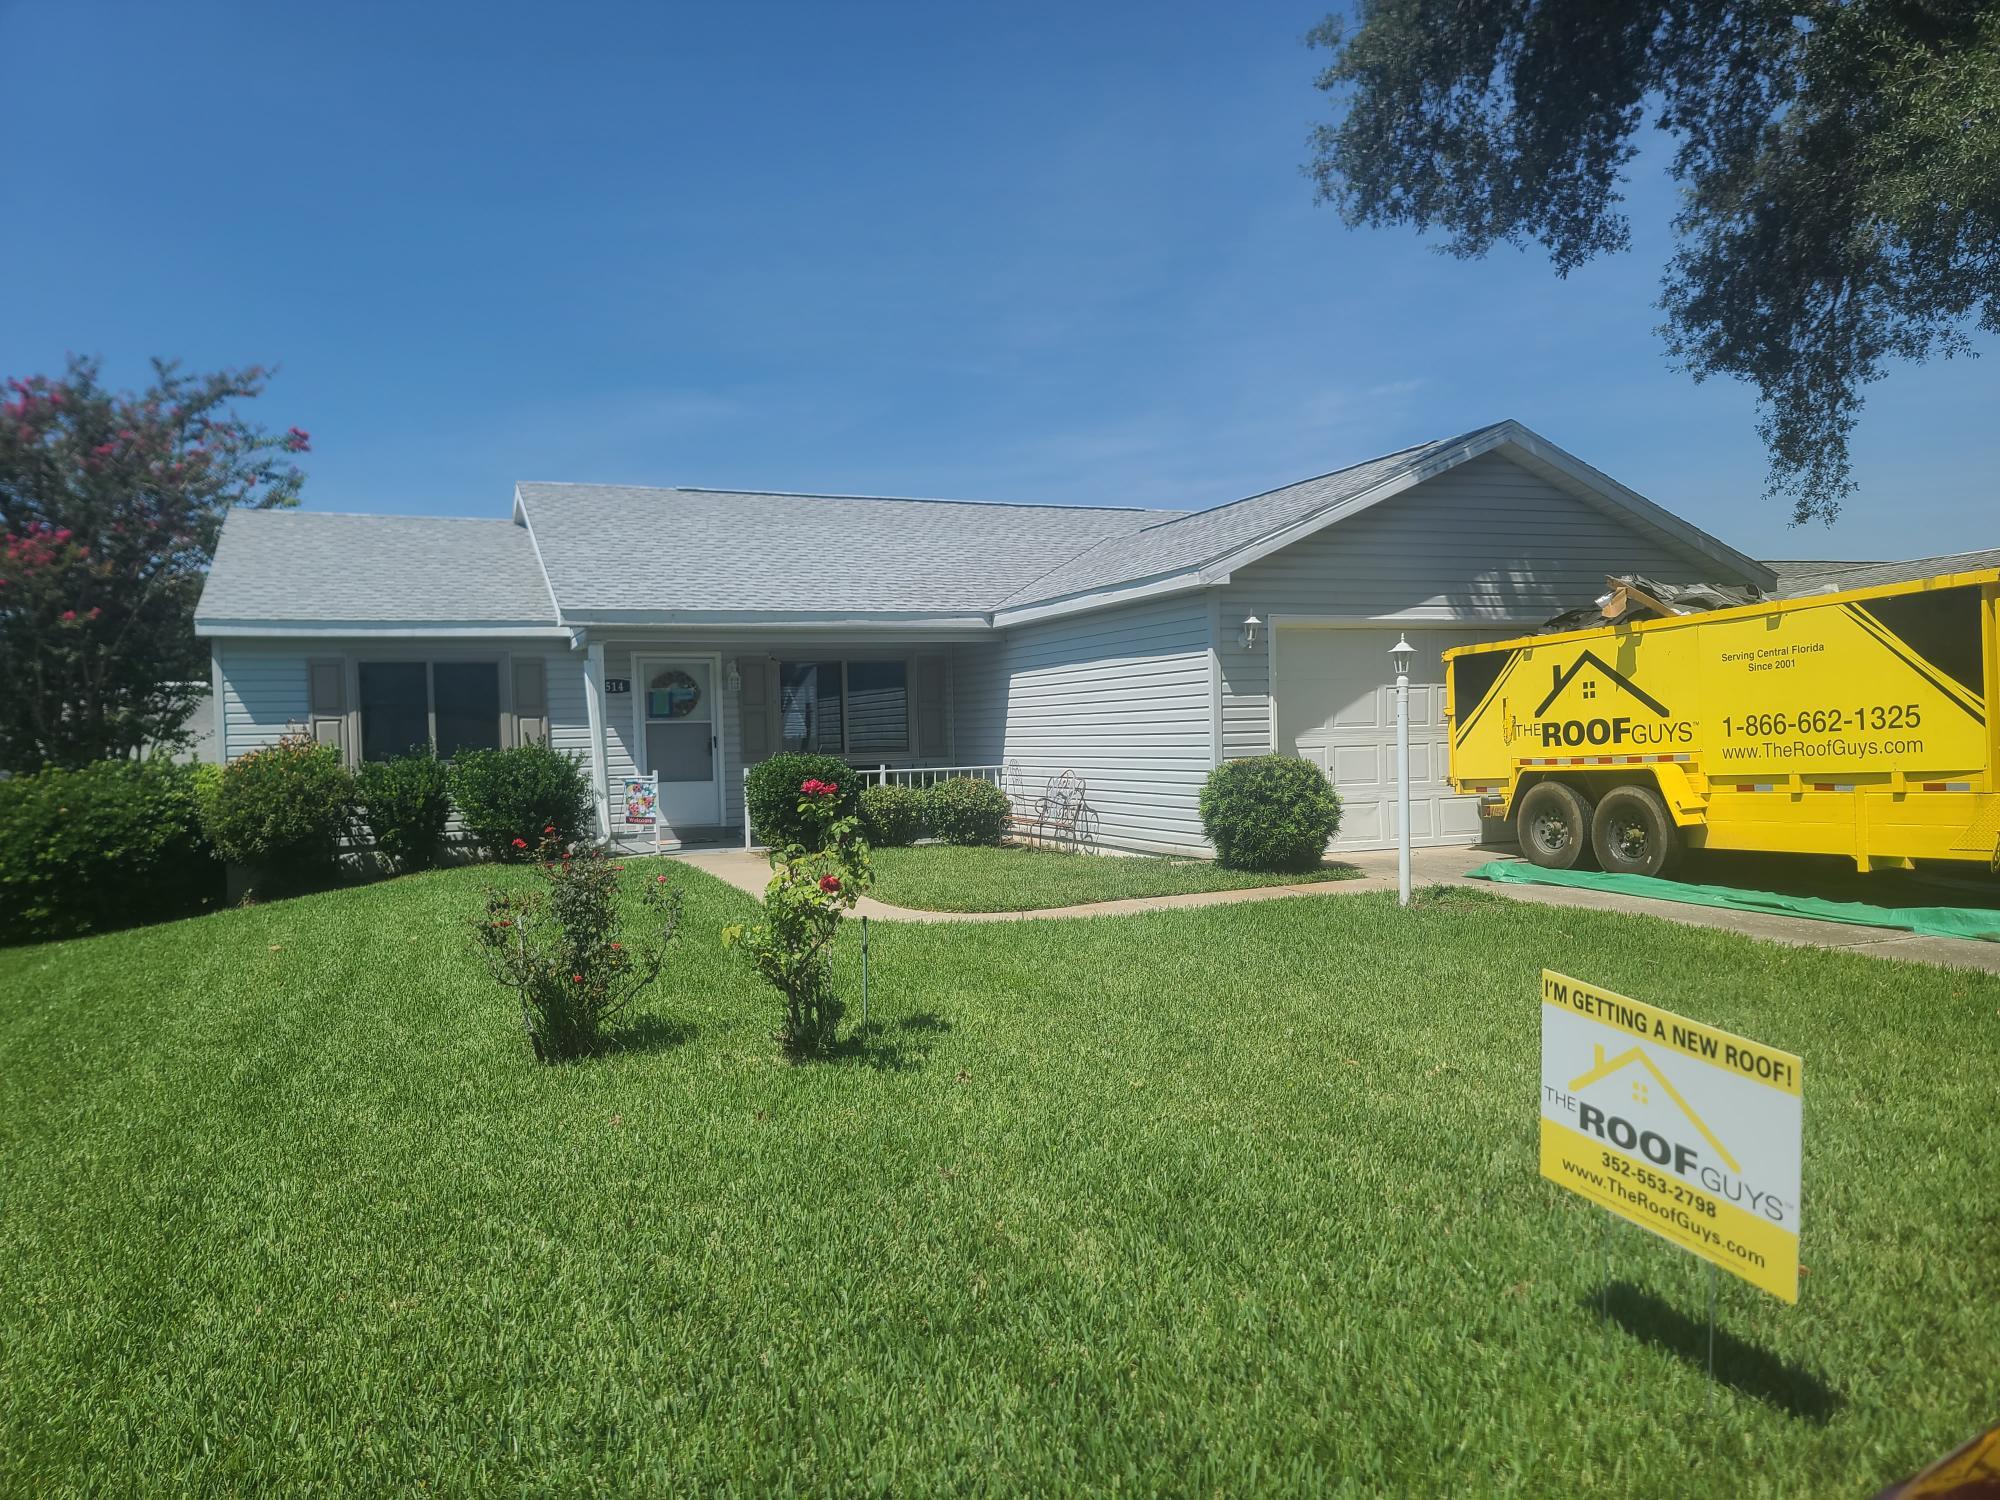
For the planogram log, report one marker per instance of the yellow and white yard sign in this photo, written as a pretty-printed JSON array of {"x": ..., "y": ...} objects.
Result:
[{"x": 1688, "y": 1131}]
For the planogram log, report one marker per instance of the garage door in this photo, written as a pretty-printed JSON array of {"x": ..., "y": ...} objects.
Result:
[{"x": 1337, "y": 709}]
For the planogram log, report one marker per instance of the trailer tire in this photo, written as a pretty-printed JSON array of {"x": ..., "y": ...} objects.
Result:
[
  {"x": 1554, "y": 826},
  {"x": 1633, "y": 834}
]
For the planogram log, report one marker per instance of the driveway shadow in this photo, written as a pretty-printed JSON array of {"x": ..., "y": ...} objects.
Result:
[{"x": 1739, "y": 1364}]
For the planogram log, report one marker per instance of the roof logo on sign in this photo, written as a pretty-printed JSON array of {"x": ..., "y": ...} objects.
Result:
[
  {"x": 1564, "y": 675},
  {"x": 1607, "y": 1066}
]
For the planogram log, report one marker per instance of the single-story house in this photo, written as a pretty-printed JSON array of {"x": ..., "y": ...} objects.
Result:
[{"x": 694, "y": 632}]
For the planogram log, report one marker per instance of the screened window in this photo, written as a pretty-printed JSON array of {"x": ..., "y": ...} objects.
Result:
[
  {"x": 454, "y": 705},
  {"x": 845, "y": 707}
]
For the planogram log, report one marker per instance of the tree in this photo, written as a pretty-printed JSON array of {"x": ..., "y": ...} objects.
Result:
[
  {"x": 1840, "y": 162},
  {"x": 111, "y": 505}
]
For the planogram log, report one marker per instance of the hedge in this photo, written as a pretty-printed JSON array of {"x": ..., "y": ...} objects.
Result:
[
  {"x": 1270, "y": 812},
  {"x": 772, "y": 792},
  {"x": 111, "y": 844}
]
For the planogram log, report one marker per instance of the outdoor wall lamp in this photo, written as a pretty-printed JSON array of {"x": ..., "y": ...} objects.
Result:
[
  {"x": 1247, "y": 636},
  {"x": 732, "y": 679}
]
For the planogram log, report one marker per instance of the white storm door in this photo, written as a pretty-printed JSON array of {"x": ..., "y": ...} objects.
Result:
[{"x": 680, "y": 737}]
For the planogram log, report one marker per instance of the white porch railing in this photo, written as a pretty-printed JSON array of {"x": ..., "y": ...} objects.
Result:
[{"x": 917, "y": 776}]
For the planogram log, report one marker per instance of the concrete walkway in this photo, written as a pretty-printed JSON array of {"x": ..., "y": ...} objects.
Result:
[{"x": 750, "y": 871}]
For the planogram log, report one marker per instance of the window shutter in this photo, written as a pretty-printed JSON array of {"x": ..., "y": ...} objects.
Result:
[
  {"x": 531, "y": 699},
  {"x": 930, "y": 707},
  {"x": 753, "y": 708},
  {"x": 326, "y": 702}
]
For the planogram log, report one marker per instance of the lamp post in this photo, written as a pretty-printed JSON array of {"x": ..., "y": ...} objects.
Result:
[{"x": 1400, "y": 656}]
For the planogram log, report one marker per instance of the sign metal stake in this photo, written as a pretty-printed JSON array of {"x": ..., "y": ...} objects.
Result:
[
  {"x": 864, "y": 973},
  {"x": 1711, "y": 1335}
]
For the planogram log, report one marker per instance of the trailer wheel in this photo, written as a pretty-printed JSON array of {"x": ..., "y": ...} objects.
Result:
[
  {"x": 1554, "y": 826},
  {"x": 1633, "y": 834}
]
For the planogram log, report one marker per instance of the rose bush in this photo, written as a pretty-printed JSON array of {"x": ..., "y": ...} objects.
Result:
[
  {"x": 560, "y": 948},
  {"x": 811, "y": 890}
]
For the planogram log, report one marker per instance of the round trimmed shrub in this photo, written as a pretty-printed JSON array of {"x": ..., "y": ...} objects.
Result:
[
  {"x": 892, "y": 816},
  {"x": 505, "y": 795},
  {"x": 110, "y": 844},
  {"x": 1271, "y": 812},
  {"x": 283, "y": 811},
  {"x": 773, "y": 794},
  {"x": 964, "y": 810},
  {"x": 407, "y": 802}
]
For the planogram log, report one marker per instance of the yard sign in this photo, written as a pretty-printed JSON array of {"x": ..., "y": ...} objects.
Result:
[
  {"x": 642, "y": 804},
  {"x": 1688, "y": 1131}
]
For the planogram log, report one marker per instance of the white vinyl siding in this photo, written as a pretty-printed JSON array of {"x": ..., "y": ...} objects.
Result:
[
  {"x": 1120, "y": 696},
  {"x": 1486, "y": 541}
]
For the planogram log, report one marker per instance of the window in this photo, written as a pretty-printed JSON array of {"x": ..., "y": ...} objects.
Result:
[
  {"x": 844, "y": 707},
  {"x": 454, "y": 705}
]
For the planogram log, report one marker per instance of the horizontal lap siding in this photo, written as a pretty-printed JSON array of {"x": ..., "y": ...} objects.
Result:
[
  {"x": 263, "y": 694},
  {"x": 1121, "y": 697},
  {"x": 979, "y": 703},
  {"x": 1487, "y": 540}
]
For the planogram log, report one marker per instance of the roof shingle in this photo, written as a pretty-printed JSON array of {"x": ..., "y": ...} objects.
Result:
[{"x": 314, "y": 567}]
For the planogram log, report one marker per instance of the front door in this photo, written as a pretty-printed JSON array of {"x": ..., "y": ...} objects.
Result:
[{"x": 680, "y": 737}]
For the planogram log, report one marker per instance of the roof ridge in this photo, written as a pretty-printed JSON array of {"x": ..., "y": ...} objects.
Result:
[
  {"x": 361, "y": 515},
  {"x": 1312, "y": 479},
  {"x": 702, "y": 489}
]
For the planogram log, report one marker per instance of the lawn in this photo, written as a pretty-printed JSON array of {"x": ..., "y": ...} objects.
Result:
[
  {"x": 1224, "y": 1200},
  {"x": 942, "y": 877}
]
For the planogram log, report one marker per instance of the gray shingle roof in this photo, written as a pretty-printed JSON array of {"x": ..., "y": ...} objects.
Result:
[
  {"x": 1188, "y": 540},
  {"x": 313, "y": 567},
  {"x": 1796, "y": 578},
  {"x": 610, "y": 547}
]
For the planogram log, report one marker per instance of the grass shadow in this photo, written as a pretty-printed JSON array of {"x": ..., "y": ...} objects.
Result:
[
  {"x": 891, "y": 1047},
  {"x": 1739, "y": 1364},
  {"x": 649, "y": 1033}
]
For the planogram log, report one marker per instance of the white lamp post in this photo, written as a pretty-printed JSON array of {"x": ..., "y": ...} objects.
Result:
[{"x": 1400, "y": 656}]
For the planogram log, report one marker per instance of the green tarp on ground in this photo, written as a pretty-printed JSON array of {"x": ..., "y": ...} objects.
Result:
[{"x": 1931, "y": 921}]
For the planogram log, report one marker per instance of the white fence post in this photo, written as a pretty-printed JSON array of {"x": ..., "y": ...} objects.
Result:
[{"x": 746, "y": 808}]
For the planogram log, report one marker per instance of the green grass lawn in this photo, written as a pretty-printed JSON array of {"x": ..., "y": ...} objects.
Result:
[
  {"x": 1229, "y": 1200},
  {"x": 942, "y": 877}
]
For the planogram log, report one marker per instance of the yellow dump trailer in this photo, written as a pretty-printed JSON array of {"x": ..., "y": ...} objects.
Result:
[{"x": 1851, "y": 723}]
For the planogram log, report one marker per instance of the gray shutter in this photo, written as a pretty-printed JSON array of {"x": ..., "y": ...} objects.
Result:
[
  {"x": 930, "y": 707},
  {"x": 326, "y": 701},
  {"x": 531, "y": 699},
  {"x": 753, "y": 707}
]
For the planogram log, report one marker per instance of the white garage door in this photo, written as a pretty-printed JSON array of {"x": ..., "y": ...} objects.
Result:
[{"x": 1337, "y": 709}]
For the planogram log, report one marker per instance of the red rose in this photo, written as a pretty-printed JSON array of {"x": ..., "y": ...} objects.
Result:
[
  {"x": 829, "y": 883},
  {"x": 832, "y": 787},
  {"x": 576, "y": 979},
  {"x": 550, "y": 829},
  {"x": 520, "y": 843},
  {"x": 617, "y": 947}
]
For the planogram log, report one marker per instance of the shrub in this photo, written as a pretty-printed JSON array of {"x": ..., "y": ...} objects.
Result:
[
  {"x": 965, "y": 811},
  {"x": 772, "y": 792},
  {"x": 507, "y": 797},
  {"x": 283, "y": 811},
  {"x": 813, "y": 886},
  {"x": 560, "y": 948},
  {"x": 110, "y": 844},
  {"x": 407, "y": 802},
  {"x": 1271, "y": 812},
  {"x": 892, "y": 816}
]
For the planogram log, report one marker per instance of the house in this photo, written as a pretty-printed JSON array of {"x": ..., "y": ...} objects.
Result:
[{"x": 694, "y": 632}]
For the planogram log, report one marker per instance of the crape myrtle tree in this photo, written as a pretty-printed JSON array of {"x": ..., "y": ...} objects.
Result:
[
  {"x": 110, "y": 507},
  {"x": 1839, "y": 164}
]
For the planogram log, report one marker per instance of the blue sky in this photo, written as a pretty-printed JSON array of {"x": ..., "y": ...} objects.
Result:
[{"x": 1060, "y": 253}]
